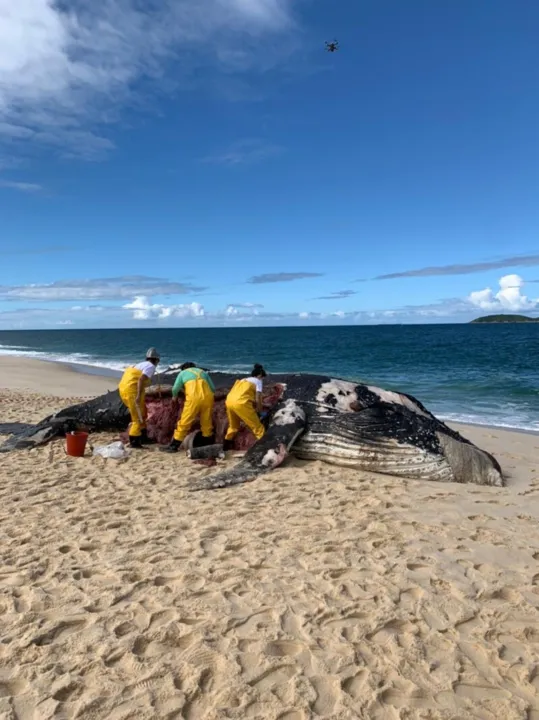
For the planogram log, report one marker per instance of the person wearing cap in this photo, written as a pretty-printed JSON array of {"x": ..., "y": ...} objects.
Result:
[
  {"x": 132, "y": 389},
  {"x": 244, "y": 405},
  {"x": 199, "y": 391}
]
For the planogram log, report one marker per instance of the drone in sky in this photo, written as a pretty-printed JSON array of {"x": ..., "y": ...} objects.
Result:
[{"x": 332, "y": 46}]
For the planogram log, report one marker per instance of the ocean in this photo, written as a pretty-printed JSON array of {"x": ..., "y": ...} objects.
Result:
[{"x": 483, "y": 374}]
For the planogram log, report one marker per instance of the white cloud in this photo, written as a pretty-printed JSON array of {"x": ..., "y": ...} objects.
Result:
[
  {"x": 247, "y": 306},
  {"x": 21, "y": 186},
  {"x": 242, "y": 311},
  {"x": 339, "y": 295},
  {"x": 114, "y": 288},
  {"x": 245, "y": 152},
  {"x": 66, "y": 66},
  {"x": 143, "y": 309},
  {"x": 508, "y": 297},
  {"x": 13, "y": 248}
]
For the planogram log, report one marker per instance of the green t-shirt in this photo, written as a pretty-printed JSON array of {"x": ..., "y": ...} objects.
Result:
[{"x": 191, "y": 374}]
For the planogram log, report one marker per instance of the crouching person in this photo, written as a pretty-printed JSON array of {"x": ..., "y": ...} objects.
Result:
[
  {"x": 244, "y": 404},
  {"x": 199, "y": 392},
  {"x": 132, "y": 389}
]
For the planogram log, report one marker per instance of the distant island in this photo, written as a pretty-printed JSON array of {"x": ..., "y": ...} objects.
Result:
[{"x": 505, "y": 319}]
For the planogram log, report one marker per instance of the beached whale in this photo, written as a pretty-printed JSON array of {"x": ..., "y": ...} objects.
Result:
[{"x": 315, "y": 417}]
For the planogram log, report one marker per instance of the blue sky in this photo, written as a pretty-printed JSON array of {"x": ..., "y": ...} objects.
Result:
[{"x": 207, "y": 162}]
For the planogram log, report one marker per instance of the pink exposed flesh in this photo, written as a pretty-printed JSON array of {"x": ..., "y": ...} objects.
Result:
[{"x": 163, "y": 414}]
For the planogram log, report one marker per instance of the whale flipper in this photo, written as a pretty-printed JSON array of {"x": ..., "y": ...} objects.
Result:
[{"x": 286, "y": 425}]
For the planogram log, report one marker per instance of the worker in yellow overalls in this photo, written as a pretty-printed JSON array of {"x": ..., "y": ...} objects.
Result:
[
  {"x": 199, "y": 392},
  {"x": 132, "y": 388},
  {"x": 244, "y": 404}
]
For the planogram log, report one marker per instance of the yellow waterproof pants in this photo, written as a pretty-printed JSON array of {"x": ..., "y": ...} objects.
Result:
[
  {"x": 128, "y": 393},
  {"x": 240, "y": 407},
  {"x": 198, "y": 402}
]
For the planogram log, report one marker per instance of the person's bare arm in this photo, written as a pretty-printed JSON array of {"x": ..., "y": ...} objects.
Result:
[
  {"x": 140, "y": 387},
  {"x": 259, "y": 406}
]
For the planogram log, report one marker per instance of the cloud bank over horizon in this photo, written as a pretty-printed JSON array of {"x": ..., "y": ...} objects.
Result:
[
  {"x": 141, "y": 300},
  {"x": 112, "y": 288}
]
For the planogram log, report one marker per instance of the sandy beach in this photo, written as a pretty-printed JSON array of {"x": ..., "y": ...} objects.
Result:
[{"x": 313, "y": 592}]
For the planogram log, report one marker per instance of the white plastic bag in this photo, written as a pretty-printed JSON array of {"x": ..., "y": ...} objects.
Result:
[{"x": 115, "y": 450}]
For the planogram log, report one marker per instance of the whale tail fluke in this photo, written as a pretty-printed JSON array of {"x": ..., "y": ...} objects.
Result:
[{"x": 242, "y": 473}]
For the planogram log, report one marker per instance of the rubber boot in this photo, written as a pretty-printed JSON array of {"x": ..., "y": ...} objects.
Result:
[
  {"x": 172, "y": 448},
  {"x": 228, "y": 445},
  {"x": 135, "y": 441},
  {"x": 145, "y": 439}
]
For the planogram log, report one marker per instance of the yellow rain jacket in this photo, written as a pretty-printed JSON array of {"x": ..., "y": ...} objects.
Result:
[
  {"x": 199, "y": 394},
  {"x": 128, "y": 393},
  {"x": 241, "y": 407}
]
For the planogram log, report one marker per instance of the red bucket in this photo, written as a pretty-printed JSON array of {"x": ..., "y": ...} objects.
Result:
[{"x": 76, "y": 443}]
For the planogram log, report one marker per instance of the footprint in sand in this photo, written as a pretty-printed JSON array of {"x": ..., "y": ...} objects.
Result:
[
  {"x": 392, "y": 628},
  {"x": 211, "y": 668},
  {"x": 12, "y": 687},
  {"x": 354, "y": 685},
  {"x": 477, "y": 693},
  {"x": 213, "y": 547},
  {"x": 20, "y": 602},
  {"x": 283, "y": 648},
  {"x": 67, "y": 693},
  {"x": 114, "y": 657},
  {"x": 115, "y": 525},
  {"x": 327, "y": 691},
  {"x": 399, "y": 699},
  {"x": 163, "y": 617},
  {"x": 59, "y": 632},
  {"x": 192, "y": 582},
  {"x": 82, "y": 574},
  {"x": 270, "y": 679},
  {"x": 194, "y": 709},
  {"x": 167, "y": 580},
  {"x": 249, "y": 625},
  {"x": 13, "y": 580},
  {"x": 89, "y": 547},
  {"x": 140, "y": 646},
  {"x": 411, "y": 596},
  {"x": 507, "y": 594},
  {"x": 124, "y": 629}
]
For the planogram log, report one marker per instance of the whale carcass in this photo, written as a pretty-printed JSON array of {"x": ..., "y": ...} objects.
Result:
[{"x": 312, "y": 416}]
